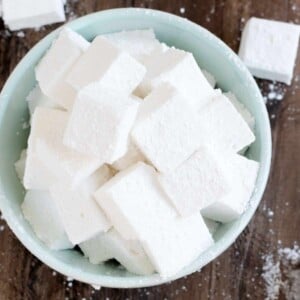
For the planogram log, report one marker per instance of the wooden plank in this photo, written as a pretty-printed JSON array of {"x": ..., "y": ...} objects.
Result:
[{"x": 237, "y": 273}]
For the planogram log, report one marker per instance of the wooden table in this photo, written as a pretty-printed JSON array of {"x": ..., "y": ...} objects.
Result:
[{"x": 237, "y": 273}]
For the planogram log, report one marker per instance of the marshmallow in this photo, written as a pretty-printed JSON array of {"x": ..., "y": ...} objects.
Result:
[
  {"x": 210, "y": 78},
  {"x": 241, "y": 108},
  {"x": 172, "y": 246},
  {"x": 168, "y": 130},
  {"x": 134, "y": 202},
  {"x": 20, "y": 165},
  {"x": 41, "y": 212},
  {"x": 18, "y": 14},
  {"x": 137, "y": 43},
  {"x": 198, "y": 182},
  {"x": 139, "y": 210},
  {"x": 53, "y": 68},
  {"x": 180, "y": 69},
  {"x": 47, "y": 150},
  {"x": 132, "y": 156},
  {"x": 118, "y": 71},
  {"x": 37, "y": 98},
  {"x": 128, "y": 253},
  {"x": 79, "y": 212},
  {"x": 100, "y": 123},
  {"x": 269, "y": 49},
  {"x": 225, "y": 128},
  {"x": 243, "y": 173}
]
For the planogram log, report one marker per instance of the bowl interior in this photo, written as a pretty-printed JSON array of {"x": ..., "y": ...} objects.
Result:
[{"x": 210, "y": 53}]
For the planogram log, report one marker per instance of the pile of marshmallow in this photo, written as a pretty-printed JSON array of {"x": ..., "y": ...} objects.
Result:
[{"x": 132, "y": 154}]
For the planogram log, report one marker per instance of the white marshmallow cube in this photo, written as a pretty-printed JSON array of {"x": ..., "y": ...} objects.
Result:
[
  {"x": 128, "y": 253},
  {"x": 167, "y": 130},
  {"x": 138, "y": 209},
  {"x": 241, "y": 108},
  {"x": 46, "y": 146},
  {"x": 198, "y": 182},
  {"x": 211, "y": 225},
  {"x": 134, "y": 202},
  {"x": 52, "y": 70},
  {"x": 37, "y": 98},
  {"x": 243, "y": 173},
  {"x": 225, "y": 128},
  {"x": 18, "y": 14},
  {"x": 41, "y": 212},
  {"x": 173, "y": 246},
  {"x": 100, "y": 123},
  {"x": 137, "y": 43},
  {"x": 118, "y": 71},
  {"x": 269, "y": 49},
  {"x": 20, "y": 165},
  {"x": 180, "y": 69},
  {"x": 80, "y": 214}
]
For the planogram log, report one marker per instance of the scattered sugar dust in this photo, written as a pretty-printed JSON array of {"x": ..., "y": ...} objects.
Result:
[{"x": 281, "y": 273}]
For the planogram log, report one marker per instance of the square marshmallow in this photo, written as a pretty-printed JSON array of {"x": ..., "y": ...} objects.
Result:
[
  {"x": 210, "y": 78},
  {"x": 224, "y": 127},
  {"x": 137, "y": 43},
  {"x": 46, "y": 149},
  {"x": 197, "y": 182},
  {"x": 18, "y": 14},
  {"x": 180, "y": 69},
  {"x": 41, "y": 212},
  {"x": 80, "y": 214},
  {"x": 138, "y": 209},
  {"x": 100, "y": 123},
  {"x": 128, "y": 253},
  {"x": 269, "y": 49},
  {"x": 37, "y": 98},
  {"x": 134, "y": 201},
  {"x": 118, "y": 71},
  {"x": 53, "y": 68},
  {"x": 243, "y": 177},
  {"x": 168, "y": 130}
]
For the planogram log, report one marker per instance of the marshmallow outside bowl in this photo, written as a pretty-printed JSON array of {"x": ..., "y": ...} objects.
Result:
[{"x": 211, "y": 54}]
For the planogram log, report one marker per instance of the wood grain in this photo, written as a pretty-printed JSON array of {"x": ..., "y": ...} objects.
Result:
[{"x": 237, "y": 273}]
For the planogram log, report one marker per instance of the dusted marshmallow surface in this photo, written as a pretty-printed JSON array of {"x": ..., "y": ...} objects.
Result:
[
  {"x": 210, "y": 78},
  {"x": 20, "y": 165},
  {"x": 36, "y": 98},
  {"x": 53, "y": 68},
  {"x": 129, "y": 253},
  {"x": 79, "y": 212},
  {"x": 100, "y": 123},
  {"x": 180, "y": 69},
  {"x": 174, "y": 245},
  {"x": 168, "y": 130},
  {"x": 138, "y": 209},
  {"x": 211, "y": 225},
  {"x": 137, "y": 43},
  {"x": 18, "y": 14},
  {"x": 241, "y": 108},
  {"x": 269, "y": 49},
  {"x": 118, "y": 71},
  {"x": 225, "y": 128},
  {"x": 243, "y": 174},
  {"x": 134, "y": 202},
  {"x": 46, "y": 146},
  {"x": 41, "y": 212},
  {"x": 198, "y": 182}
]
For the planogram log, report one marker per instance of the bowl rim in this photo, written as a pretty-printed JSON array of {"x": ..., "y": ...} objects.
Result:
[{"x": 218, "y": 248}]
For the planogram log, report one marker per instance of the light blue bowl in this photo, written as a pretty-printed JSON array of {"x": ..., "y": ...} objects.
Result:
[{"x": 210, "y": 52}]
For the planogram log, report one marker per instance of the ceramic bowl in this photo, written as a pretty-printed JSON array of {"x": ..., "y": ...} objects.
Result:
[{"x": 211, "y": 54}]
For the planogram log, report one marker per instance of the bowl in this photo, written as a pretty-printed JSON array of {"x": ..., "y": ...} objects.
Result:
[{"x": 211, "y": 54}]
